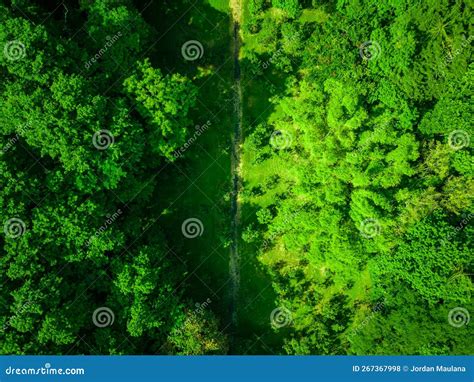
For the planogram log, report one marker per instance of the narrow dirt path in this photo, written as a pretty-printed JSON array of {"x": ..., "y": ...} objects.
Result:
[{"x": 234, "y": 263}]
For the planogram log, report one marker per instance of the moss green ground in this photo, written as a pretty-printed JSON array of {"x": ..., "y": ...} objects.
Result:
[{"x": 198, "y": 186}]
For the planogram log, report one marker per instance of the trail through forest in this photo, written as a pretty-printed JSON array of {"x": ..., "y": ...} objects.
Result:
[{"x": 234, "y": 263}]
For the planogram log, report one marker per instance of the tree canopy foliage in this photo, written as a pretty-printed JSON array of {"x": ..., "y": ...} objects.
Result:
[
  {"x": 356, "y": 158},
  {"x": 367, "y": 169},
  {"x": 83, "y": 134}
]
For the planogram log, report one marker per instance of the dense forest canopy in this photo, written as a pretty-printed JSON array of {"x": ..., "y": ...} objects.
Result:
[
  {"x": 367, "y": 195},
  {"x": 83, "y": 137},
  {"x": 357, "y": 176}
]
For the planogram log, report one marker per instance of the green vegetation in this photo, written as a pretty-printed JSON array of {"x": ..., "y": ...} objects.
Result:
[
  {"x": 89, "y": 127},
  {"x": 359, "y": 162},
  {"x": 117, "y": 134}
]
